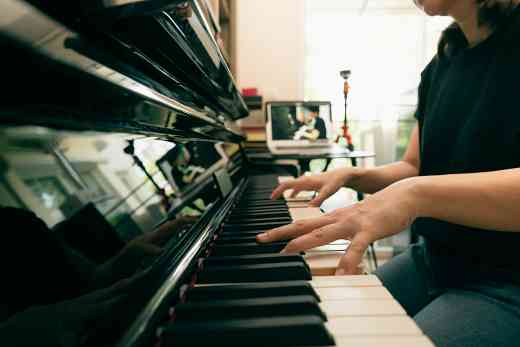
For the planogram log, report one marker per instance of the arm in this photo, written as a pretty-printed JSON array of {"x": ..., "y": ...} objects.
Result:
[
  {"x": 311, "y": 135},
  {"x": 487, "y": 200},
  {"x": 363, "y": 180}
]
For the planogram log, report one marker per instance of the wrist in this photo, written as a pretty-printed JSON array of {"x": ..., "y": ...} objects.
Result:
[
  {"x": 418, "y": 195},
  {"x": 352, "y": 176}
]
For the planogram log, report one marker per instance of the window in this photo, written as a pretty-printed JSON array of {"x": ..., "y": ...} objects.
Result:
[
  {"x": 48, "y": 190},
  {"x": 386, "y": 44}
]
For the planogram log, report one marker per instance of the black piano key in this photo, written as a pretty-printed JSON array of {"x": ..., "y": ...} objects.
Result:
[
  {"x": 264, "y": 203},
  {"x": 256, "y": 197},
  {"x": 252, "y": 226},
  {"x": 269, "y": 258},
  {"x": 246, "y": 208},
  {"x": 292, "y": 271},
  {"x": 241, "y": 233},
  {"x": 249, "y": 308},
  {"x": 276, "y": 331},
  {"x": 242, "y": 221},
  {"x": 247, "y": 248},
  {"x": 259, "y": 213},
  {"x": 277, "y": 214},
  {"x": 279, "y": 205},
  {"x": 239, "y": 238},
  {"x": 251, "y": 290}
]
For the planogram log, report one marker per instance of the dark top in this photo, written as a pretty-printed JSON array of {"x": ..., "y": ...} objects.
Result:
[
  {"x": 469, "y": 122},
  {"x": 320, "y": 126},
  {"x": 36, "y": 269}
]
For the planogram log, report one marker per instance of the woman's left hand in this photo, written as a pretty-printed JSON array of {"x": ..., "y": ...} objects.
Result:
[
  {"x": 130, "y": 258},
  {"x": 381, "y": 215}
]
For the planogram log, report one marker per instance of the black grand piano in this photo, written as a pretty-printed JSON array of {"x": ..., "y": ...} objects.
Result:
[{"x": 84, "y": 80}]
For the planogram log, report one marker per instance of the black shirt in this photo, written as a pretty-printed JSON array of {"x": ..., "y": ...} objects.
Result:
[
  {"x": 469, "y": 120},
  {"x": 35, "y": 267},
  {"x": 320, "y": 126}
]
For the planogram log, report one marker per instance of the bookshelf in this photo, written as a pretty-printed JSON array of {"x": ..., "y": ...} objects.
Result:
[{"x": 223, "y": 13}]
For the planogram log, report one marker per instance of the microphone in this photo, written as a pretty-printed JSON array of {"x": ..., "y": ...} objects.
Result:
[{"x": 345, "y": 74}]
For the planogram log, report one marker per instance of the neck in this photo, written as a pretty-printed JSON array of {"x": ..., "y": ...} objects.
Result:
[{"x": 465, "y": 14}]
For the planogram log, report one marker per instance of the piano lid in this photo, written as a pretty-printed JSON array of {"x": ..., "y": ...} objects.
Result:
[
  {"x": 173, "y": 40},
  {"x": 77, "y": 83}
]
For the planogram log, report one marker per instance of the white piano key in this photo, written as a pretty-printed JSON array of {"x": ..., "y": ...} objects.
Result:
[
  {"x": 362, "y": 307},
  {"x": 343, "y": 293},
  {"x": 298, "y": 204},
  {"x": 373, "y": 326},
  {"x": 323, "y": 263},
  {"x": 346, "y": 281},
  {"x": 304, "y": 213},
  {"x": 301, "y": 196}
]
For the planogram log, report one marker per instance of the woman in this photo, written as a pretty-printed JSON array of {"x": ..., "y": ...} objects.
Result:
[{"x": 458, "y": 187}]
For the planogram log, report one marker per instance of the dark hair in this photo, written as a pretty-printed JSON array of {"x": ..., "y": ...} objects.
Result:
[
  {"x": 492, "y": 13},
  {"x": 314, "y": 108}
]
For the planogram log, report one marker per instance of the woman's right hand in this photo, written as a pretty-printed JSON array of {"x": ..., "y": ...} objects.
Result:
[{"x": 325, "y": 184}]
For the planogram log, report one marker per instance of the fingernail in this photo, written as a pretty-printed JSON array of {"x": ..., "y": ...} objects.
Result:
[
  {"x": 261, "y": 236},
  {"x": 340, "y": 272},
  {"x": 284, "y": 250}
]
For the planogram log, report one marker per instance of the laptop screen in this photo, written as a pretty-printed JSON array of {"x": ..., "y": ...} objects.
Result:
[{"x": 300, "y": 121}]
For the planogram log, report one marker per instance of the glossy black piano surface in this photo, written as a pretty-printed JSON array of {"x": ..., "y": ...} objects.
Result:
[
  {"x": 93, "y": 89},
  {"x": 255, "y": 292},
  {"x": 157, "y": 73}
]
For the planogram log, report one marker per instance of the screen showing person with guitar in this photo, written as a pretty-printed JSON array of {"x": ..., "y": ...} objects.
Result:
[{"x": 312, "y": 125}]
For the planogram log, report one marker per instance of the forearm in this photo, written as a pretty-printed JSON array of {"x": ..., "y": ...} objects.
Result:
[
  {"x": 489, "y": 200},
  {"x": 372, "y": 180}
]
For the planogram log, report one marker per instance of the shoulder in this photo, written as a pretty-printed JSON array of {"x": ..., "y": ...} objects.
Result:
[
  {"x": 427, "y": 75},
  {"x": 511, "y": 36}
]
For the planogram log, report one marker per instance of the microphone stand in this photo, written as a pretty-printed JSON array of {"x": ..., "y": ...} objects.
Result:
[
  {"x": 350, "y": 145},
  {"x": 130, "y": 150}
]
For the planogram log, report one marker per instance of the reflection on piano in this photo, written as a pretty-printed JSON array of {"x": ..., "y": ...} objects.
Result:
[{"x": 84, "y": 77}]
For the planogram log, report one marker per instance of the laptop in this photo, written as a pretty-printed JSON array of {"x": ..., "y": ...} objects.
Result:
[{"x": 301, "y": 127}]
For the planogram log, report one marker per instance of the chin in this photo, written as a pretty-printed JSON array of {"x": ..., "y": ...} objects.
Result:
[{"x": 432, "y": 7}]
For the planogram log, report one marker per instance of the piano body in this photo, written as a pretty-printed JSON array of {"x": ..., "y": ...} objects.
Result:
[{"x": 82, "y": 78}]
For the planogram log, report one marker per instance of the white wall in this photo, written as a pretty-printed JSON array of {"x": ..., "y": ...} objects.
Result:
[{"x": 270, "y": 47}]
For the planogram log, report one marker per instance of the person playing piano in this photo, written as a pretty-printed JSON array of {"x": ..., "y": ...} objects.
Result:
[
  {"x": 312, "y": 126},
  {"x": 458, "y": 187}
]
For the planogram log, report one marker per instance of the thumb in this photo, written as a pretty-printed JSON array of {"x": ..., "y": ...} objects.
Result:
[
  {"x": 149, "y": 249},
  {"x": 350, "y": 263}
]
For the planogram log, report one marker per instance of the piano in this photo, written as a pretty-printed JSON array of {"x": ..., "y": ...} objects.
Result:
[{"x": 81, "y": 79}]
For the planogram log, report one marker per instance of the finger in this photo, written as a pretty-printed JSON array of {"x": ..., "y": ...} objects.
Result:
[
  {"x": 103, "y": 294},
  {"x": 349, "y": 264},
  {"x": 162, "y": 234},
  {"x": 149, "y": 249},
  {"x": 323, "y": 195},
  {"x": 186, "y": 220},
  {"x": 318, "y": 237},
  {"x": 278, "y": 192},
  {"x": 295, "y": 192},
  {"x": 294, "y": 230}
]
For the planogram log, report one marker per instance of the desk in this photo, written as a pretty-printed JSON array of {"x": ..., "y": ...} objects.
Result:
[{"x": 305, "y": 159}]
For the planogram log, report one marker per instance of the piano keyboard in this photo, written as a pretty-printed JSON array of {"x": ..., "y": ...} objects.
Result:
[{"x": 247, "y": 294}]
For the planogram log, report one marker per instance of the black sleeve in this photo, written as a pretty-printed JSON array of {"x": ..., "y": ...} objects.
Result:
[
  {"x": 424, "y": 87},
  {"x": 36, "y": 268},
  {"x": 320, "y": 126}
]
